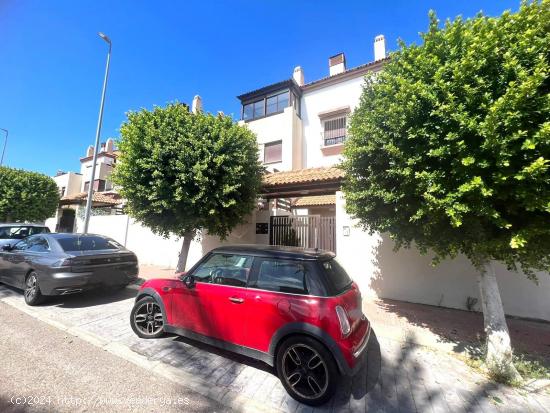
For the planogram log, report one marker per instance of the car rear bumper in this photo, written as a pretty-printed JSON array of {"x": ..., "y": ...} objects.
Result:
[{"x": 62, "y": 283}]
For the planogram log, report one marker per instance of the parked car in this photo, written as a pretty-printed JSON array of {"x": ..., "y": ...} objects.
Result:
[
  {"x": 58, "y": 264},
  {"x": 11, "y": 232},
  {"x": 295, "y": 309}
]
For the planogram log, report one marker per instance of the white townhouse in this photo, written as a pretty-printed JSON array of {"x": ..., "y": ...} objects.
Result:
[
  {"x": 73, "y": 189},
  {"x": 301, "y": 128}
]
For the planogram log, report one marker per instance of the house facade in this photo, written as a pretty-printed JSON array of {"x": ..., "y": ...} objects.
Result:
[
  {"x": 73, "y": 189},
  {"x": 301, "y": 129}
]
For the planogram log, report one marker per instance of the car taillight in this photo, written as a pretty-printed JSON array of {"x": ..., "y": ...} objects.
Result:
[
  {"x": 343, "y": 319},
  {"x": 67, "y": 262}
]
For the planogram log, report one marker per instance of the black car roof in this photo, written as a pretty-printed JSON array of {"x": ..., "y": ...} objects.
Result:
[{"x": 276, "y": 251}]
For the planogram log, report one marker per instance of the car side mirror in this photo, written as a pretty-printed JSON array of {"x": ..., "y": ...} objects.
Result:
[
  {"x": 7, "y": 247},
  {"x": 189, "y": 281}
]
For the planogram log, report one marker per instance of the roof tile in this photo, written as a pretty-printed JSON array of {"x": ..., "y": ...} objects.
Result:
[{"x": 301, "y": 176}]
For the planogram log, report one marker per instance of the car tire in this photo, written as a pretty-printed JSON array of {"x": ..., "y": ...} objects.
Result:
[
  {"x": 307, "y": 370},
  {"x": 147, "y": 318},
  {"x": 32, "y": 293}
]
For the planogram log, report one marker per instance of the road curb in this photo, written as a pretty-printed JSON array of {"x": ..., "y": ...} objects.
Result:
[{"x": 222, "y": 395}]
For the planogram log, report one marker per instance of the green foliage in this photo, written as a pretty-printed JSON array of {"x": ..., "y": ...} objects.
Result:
[
  {"x": 450, "y": 145},
  {"x": 26, "y": 196},
  {"x": 183, "y": 172}
]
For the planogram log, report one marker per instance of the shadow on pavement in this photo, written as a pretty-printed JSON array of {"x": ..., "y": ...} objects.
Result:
[
  {"x": 227, "y": 354},
  {"x": 90, "y": 298}
]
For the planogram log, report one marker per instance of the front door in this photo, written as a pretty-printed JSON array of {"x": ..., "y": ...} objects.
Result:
[{"x": 218, "y": 298}]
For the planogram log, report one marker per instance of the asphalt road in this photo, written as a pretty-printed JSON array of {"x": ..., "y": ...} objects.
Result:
[{"x": 43, "y": 369}]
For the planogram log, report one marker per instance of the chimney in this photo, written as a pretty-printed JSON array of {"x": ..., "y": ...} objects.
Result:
[
  {"x": 298, "y": 75},
  {"x": 197, "y": 104},
  {"x": 379, "y": 47},
  {"x": 337, "y": 64},
  {"x": 90, "y": 151},
  {"x": 110, "y": 145}
]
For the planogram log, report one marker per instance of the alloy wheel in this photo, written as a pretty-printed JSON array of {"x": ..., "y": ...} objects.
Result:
[
  {"x": 305, "y": 371},
  {"x": 148, "y": 318},
  {"x": 31, "y": 287}
]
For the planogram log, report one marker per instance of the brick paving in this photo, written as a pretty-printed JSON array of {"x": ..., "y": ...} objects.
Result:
[{"x": 397, "y": 377}]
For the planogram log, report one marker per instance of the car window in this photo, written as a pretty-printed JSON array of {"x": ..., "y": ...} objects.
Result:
[
  {"x": 337, "y": 276},
  {"x": 37, "y": 244},
  {"x": 38, "y": 230},
  {"x": 20, "y": 246},
  {"x": 88, "y": 243},
  {"x": 285, "y": 276},
  {"x": 225, "y": 269},
  {"x": 14, "y": 232}
]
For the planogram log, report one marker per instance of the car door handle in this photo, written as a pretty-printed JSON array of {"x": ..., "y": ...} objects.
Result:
[{"x": 236, "y": 300}]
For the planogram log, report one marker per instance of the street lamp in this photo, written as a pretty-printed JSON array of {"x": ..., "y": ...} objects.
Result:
[
  {"x": 97, "y": 134},
  {"x": 4, "y": 149}
]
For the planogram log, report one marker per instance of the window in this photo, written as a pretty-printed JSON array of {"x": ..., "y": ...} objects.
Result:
[
  {"x": 87, "y": 243},
  {"x": 99, "y": 185},
  {"x": 38, "y": 244},
  {"x": 39, "y": 230},
  {"x": 248, "y": 112},
  {"x": 277, "y": 103},
  {"x": 267, "y": 105},
  {"x": 334, "y": 131},
  {"x": 259, "y": 109},
  {"x": 273, "y": 152},
  {"x": 225, "y": 269},
  {"x": 62, "y": 192},
  {"x": 21, "y": 245},
  {"x": 20, "y": 232},
  {"x": 336, "y": 275},
  {"x": 283, "y": 276}
]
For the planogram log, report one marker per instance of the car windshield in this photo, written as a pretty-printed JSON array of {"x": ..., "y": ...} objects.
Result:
[
  {"x": 88, "y": 243},
  {"x": 20, "y": 231},
  {"x": 336, "y": 275}
]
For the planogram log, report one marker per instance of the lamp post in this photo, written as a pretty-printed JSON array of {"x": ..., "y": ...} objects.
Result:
[
  {"x": 97, "y": 134},
  {"x": 4, "y": 148}
]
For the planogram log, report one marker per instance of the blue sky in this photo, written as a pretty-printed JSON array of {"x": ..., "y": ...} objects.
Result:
[{"x": 52, "y": 61}]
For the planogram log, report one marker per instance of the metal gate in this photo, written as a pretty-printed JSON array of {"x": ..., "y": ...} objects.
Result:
[{"x": 308, "y": 231}]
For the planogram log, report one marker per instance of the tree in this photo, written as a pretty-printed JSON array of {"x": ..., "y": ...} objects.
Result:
[
  {"x": 182, "y": 173},
  {"x": 26, "y": 196},
  {"x": 450, "y": 149}
]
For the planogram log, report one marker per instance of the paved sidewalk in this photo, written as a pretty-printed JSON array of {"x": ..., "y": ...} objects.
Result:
[
  {"x": 80, "y": 377},
  {"x": 397, "y": 377}
]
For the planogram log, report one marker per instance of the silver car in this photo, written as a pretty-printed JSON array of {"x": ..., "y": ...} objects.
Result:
[{"x": 58, "y": 264}]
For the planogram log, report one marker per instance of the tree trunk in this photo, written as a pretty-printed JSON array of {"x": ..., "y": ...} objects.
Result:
[
  {"x": 499, "y": 349},
  {"x": 184, "y": 252}
]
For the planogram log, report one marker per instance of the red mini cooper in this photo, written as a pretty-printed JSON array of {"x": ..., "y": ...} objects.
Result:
[{"x": 295, "y": 309}]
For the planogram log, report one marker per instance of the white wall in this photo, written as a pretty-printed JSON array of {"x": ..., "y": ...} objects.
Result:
[
  {"x": 153, "y": 249},
  {"x": 70, "y": 181},
  {"x": 346, "y": 93},
  {"x": 104, "y": 167},
  {"x": 285, "y": 127},
  {"x": 406, "y": 275}
]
